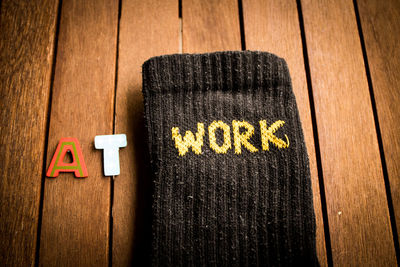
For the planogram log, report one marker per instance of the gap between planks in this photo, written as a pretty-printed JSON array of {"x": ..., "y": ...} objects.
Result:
[
  {"x": 328, "y": 246},
  {"x": 111, "y": 221},
  {"x": 379, "y": 136},
  {"x": 42, "y": 182}
]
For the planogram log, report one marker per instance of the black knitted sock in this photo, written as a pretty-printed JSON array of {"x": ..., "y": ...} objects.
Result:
[{"x": 231, "y": 174}]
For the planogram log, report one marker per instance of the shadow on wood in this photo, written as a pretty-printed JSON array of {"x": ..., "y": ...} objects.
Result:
[{"x": 144, "y": 190}]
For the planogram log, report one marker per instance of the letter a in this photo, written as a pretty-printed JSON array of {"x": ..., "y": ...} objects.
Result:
[{"x": 77, "y": 166}]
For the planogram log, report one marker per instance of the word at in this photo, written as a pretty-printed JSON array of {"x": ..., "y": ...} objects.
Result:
[
  {"x": 110, "y": 145},
  {"x": 239, "y": 138}
]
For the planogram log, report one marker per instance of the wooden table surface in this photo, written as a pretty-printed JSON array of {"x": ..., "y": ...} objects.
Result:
[{"x": 72, "y": 68}]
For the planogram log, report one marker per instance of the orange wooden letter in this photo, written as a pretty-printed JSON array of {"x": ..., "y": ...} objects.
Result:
[{"x": 77, "y": 166}]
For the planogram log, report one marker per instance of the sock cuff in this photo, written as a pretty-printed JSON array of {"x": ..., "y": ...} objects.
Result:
[{"x": 233, "y": 71}]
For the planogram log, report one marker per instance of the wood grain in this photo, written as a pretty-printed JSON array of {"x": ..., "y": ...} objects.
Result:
[
  {"x": 210, "y": 26},
  {"x": 355, "y": 193},
  {"x": 26, "y": 55},
  {"x": 75, "y": 224},
  {"x": 381, "y": 30},
  {"x": 273, "y": 26},
  {"x": 147, "y": 28}
]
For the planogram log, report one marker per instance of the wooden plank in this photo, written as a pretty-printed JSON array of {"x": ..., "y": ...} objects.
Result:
[
  {"x": 210, "y": 26},
  {"x": 147, "y": 28},
  {"x": 381, "y": 30},
  {"x": 355, "y": 192},
  {"x": 26, "y": 56},
  {"x": 273, "y": 26},
  {"x": 75, "y": 224}
]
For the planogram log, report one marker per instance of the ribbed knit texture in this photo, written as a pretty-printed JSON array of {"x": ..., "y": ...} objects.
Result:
[{"x": 227, "y": 209}]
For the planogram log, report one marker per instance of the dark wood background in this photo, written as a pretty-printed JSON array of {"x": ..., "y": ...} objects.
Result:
[{"x": 72, "y": 68}]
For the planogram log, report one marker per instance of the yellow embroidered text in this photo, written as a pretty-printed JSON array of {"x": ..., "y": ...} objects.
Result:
[
  {"x": 242, "y": 138},
  {"x": 189, "y": 140},
  {"x": 213, "y": 140},
  {"x": 267, "y": 135},
  {"x": 242, "y": 132}
]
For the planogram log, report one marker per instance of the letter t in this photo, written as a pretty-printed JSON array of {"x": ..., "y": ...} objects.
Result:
[{"x": 110, "y": 144}]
